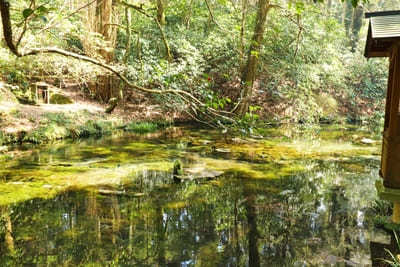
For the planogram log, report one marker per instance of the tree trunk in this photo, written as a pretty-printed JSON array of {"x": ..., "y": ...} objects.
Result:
[
  {"x": 328, "y": 7},
  {"x": 101, "y": 18},
  {"x": 356, "y": 26},
  {"x": 249, "y": 72},
  {"x": 188, "y": 14},
  {"x": 242, "y": 30},
  {"x": 168, "y": 54},
  {"x": 128, "y": 19},
  {"x": 160, "y": 12},
  {"x": 105, "y": 19},
  {"x": 252, "y": 234},
  {"x": 347, "y": 17}
]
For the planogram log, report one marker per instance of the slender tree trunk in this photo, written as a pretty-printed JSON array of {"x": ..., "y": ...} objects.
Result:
[
  {"x": 128, "y": 20},
  {"x": 249, "y": 72},
  {"x": 160, "y": 12},
  {"x": 160, "y": 235},
  {"x": 188, "y": 14},
  {"x": 168, "y": 54},
  {"x": 328, "y": 7},
  {"x": 356, "y": 26},
  {"x": 242, "y": 29},
  {"x": 347, "y": 17}
]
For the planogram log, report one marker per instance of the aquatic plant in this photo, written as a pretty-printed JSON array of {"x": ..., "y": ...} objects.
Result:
[
  {"x": 177, "y": 171},
  {"x": 395, "y": 260}
]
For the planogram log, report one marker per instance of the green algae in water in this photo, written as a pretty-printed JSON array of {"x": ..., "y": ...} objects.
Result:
[{"x": 298, "y": 203}]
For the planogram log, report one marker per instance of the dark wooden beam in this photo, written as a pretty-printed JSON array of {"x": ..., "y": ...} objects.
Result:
[
  {"x": 381, "y": 13},
  {"x": 394, "y": 105}
]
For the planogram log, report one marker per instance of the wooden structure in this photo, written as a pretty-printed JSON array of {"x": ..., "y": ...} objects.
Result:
[
  {"x": 42, "y": 89},
  {"x": 384, "y": 41}
]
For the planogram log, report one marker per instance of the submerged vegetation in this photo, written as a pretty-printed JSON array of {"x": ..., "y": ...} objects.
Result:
[
  {"x": 191, "y": 133},
  {"x": 124, "y": 184}
]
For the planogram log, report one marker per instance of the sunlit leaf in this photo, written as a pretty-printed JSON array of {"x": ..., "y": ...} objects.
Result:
[{"x": 27, "y": 12}]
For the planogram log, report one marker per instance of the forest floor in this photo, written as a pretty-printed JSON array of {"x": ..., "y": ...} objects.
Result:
[{"x": 17, "y": 118}]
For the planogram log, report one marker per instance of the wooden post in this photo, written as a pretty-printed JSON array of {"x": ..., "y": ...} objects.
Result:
[
  {"x": 390, "y": 166},
  {"x": 396, "y": 212},
  {"x": 48, "y": 95},
  {"x": 389, "y": 93},
  {"x": 36, "y": 93},
  {"x": 394, "y": 105}
]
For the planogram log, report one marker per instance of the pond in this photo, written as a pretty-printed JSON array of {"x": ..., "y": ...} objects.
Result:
[{"x": 291, "y": 197}]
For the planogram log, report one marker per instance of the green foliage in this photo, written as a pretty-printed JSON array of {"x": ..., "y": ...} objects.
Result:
[
  {"x": 307, "y": 76},
  {"x": 248, "y": 122},
  {"x": 91, "y": 128},
  {"x": 395, "y": 260},
  {"x": 2, "y": 138},
  {"x": 382, "y": 207},
  {"x": 145, "y": 127},
  {"x": 46, "y": 133},
  {"x": 216, "y": 102}
]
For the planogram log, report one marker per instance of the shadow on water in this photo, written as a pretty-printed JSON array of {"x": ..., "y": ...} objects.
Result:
[{"x": 307, "y": 216}]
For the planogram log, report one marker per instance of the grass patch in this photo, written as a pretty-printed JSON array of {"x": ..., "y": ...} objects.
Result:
[
  {"x": 146, "y": 127},
  {"x": 91, "y": 128},
  {"x": 47, "y": 133}
]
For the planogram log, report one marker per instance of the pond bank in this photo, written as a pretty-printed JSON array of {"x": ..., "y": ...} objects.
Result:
[{"x": 43, "y": 123}]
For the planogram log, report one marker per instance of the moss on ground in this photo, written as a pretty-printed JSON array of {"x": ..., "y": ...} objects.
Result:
[{"x": 60, "y": 99}]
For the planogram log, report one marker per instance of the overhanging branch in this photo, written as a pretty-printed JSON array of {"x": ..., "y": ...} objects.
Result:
[{"x": 189, "y": 98}]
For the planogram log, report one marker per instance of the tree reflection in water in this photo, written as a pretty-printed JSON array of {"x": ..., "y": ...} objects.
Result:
[
  {"x": 230, "y": 222},
  {"x": 311, "y": 214}
]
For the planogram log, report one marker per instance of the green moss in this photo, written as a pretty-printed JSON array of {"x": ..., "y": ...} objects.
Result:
[
  {"x": 17, "y": 192},
  {"x": 60, "y": 99},
  {"x": 47, "y": 181}
]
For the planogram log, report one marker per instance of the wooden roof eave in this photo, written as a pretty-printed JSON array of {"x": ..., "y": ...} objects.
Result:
[
  {"x": 378, "y": 47},
  {"x": 368, "y": 44}
]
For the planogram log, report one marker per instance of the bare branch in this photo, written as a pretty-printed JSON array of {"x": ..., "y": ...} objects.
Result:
[
  {"x": 51, "y": 25},
  {"x": 144, "y": 12}
]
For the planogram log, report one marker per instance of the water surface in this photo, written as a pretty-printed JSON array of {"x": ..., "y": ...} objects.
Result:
[{"x": 296, "y": 197}]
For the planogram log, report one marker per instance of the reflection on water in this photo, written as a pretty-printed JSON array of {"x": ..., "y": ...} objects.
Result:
[{"x": 307, "y": 216}]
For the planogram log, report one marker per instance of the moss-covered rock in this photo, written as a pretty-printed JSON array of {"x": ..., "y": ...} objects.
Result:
[{"x": 60, "y": 99}]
